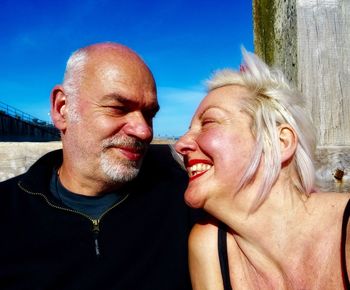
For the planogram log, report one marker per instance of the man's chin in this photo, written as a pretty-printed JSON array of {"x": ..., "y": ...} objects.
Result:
[{"x": 120, "y": 173}]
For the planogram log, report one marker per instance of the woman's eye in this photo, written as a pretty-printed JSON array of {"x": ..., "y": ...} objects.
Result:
[{"x": 207, "y": 122}]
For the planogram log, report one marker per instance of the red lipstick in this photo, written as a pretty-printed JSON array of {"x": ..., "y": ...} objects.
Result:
[
  {"x": 197, "y": 175},
  {"x": 189, "y": 163},
  {"x": 192, "y": 162}
]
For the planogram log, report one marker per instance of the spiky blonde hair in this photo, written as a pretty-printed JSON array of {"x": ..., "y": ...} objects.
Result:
[{"x": 273, "y": 102}]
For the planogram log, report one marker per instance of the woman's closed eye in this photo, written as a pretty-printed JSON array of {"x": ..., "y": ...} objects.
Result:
[{"x": 207, "y": 122}]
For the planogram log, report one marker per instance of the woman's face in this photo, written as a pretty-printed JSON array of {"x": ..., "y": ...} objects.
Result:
[{"x": 218, "y": 146}]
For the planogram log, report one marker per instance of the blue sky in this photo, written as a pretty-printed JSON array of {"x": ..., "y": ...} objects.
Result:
[{"x": 182, "y": 41}]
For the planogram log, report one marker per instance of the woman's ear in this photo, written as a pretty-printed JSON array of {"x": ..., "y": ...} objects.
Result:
[
  {"x": 58, "y": 107},
  {"x": 288, "y": 142}
]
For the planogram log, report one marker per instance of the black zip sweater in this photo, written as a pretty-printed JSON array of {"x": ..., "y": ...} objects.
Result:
[{"x": 139, "y": 244}]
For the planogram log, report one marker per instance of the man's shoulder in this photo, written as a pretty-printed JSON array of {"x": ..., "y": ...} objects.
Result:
[
  {"x": 160, "y": 173},
  {"x": 163, "y": 157},
  {"x": 37, "y": 173},
  {"x": 9, "y": 193},
  {"x": 9, "y": 183},
  {"x": 161, "y": 167}
]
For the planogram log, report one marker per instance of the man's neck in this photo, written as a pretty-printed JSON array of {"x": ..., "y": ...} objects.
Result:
[{"x": 84, "y": 185}]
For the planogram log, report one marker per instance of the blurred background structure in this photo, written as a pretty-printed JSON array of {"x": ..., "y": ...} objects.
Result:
[
  {"x": 310, "y": 41},
  {"x": 16, "y": 125}
]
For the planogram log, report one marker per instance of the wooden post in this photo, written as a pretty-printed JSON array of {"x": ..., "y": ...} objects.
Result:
[
  {"x": 310, "y": 41},
  {"x": 275, "y": 34}
]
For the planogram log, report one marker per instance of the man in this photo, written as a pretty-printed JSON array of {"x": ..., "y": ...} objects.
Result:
[{"x": 102, "y": 213}]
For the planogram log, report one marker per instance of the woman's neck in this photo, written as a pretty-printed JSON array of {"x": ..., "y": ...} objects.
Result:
[
  {"x": 264, "y": 236},
  {"x": 286, "y": 240}
]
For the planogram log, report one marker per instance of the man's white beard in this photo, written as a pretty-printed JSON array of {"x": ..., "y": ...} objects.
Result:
[{"x": 120, "y": 170}]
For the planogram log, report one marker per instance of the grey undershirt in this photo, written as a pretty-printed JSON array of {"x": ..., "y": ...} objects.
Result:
[{"x": 93, "y": 206}]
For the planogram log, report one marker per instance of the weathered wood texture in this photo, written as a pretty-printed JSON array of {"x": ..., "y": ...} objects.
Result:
[
  {"x": 310, "y": 41},
  {"x": 324, "y": 66},
  {"x": 324, "y": 77},
  {"x": 275, "y": 34}
]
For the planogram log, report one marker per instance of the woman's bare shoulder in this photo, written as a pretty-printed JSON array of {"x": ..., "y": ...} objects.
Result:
[
  {"x": 332, "y": 194},
  {"x": 203, "y": 256},
  {"x": 204, "y": 234},
  {"x": 346, "y": 232},
  {"x": 330, "y": 201}
]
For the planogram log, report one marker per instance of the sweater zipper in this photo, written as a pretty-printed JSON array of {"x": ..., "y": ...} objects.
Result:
[{"x": 95, "y": 222}]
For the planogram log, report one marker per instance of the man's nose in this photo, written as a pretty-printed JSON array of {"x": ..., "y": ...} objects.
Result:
[{"x": 137, "y": 126}]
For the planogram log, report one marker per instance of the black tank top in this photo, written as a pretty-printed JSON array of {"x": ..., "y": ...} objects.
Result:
[
  {"x": 223, "y": 258},
  {"x": 343, "y": 245}
]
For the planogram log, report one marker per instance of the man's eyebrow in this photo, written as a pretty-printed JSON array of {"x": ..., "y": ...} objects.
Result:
[
  {"x": 119, "y": 98},
  {"x": 129, "y": 102}
]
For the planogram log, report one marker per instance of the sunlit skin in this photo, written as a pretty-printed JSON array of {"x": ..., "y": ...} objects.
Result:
[
  {"x": 117, "y": 97},
  {"x": 220, "y": 137},
  {"x": 290, "y": 241}
]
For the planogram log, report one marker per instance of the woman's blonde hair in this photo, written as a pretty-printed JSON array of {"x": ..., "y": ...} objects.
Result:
[{"x": 273, "y": 101}]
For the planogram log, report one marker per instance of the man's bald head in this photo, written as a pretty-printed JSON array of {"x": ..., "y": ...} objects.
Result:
[
  {"x": 87, "y": 60},
  {"x": 104, "y": 110}
]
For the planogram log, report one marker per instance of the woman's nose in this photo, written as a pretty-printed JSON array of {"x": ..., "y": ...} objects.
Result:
[{"x": 185, "y": 144}]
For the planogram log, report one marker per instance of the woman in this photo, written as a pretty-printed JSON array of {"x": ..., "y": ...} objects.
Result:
[{"x": 248, "y": 154}]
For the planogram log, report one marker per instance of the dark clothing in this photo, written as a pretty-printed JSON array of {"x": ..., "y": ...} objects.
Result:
[
  {"x": 343, "y": 245},
  {"x": 93, "y": 206},
  {"x": 222, "y": 250},
  {"x": 141, "y": 243},
  {"x": 223, "y": 258}
]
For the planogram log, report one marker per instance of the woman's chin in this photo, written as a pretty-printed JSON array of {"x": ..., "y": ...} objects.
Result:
[{"x": 194, "y": 199}]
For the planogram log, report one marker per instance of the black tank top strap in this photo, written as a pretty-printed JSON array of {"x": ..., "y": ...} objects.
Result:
[
  {"x": 343, "y": 245},
  {"x": 223, "y": 258}
]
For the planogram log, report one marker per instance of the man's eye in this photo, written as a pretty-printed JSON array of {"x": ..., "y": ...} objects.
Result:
[
  {"x": 149, "y": 114},
  {"x": 119, "y": 109}
]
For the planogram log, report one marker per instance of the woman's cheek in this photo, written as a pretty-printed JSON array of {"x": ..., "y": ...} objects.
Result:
[{"x": 213, "y": 141}]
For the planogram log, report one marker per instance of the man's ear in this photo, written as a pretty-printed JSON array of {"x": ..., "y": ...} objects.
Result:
[
  {"x": 58, "y": 107},
  {"x": 288, "y": 142}
]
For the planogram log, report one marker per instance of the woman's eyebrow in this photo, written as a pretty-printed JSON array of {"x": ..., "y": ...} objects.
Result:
[{"x": 210, "y": 108}]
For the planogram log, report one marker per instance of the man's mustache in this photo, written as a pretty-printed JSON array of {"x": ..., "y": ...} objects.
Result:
[{"x": 125, "y": 141}]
